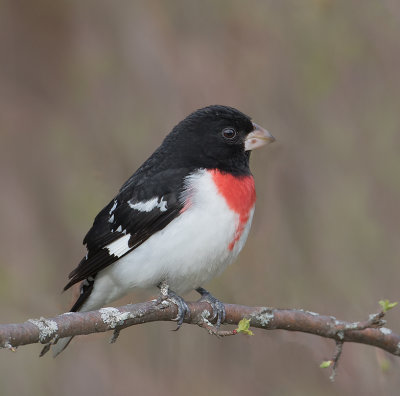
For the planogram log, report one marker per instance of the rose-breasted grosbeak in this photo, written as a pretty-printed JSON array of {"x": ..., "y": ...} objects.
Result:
[{"x": 180, "y": 219}]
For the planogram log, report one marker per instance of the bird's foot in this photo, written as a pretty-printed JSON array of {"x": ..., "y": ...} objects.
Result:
[
  {"x": 216, "y": 305},
  {"x": 168, "y": 295},
  {"x": 183, "y": 308}
]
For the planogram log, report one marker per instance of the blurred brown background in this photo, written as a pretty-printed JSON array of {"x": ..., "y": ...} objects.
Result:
[{"x": 88, "y": 91}]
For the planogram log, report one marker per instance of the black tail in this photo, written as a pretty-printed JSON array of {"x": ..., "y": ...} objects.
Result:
[{"x": 86, "y": 289}]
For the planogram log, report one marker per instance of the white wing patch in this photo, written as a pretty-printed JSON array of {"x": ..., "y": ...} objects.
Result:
[
  {"x": 148, "y": 206},
  {"x": 111, "y": 219},
  {"x": 114, "y": 206},
  {"x": 120, "y": 246}
]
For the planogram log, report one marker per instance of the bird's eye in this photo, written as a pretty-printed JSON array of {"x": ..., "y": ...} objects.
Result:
[{"x": 229, "y": 133}]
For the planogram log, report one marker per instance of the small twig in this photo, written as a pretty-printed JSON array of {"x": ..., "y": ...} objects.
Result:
[
  {"x": 374, "y": 321},
  {"x": 211, "y": 329},
  {"x": 115, "y": 335},
  {"x": 217, "y": 332},
  {"x": 335, "y": 359}
]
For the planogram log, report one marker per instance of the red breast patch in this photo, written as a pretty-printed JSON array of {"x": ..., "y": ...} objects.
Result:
[{"x": 240, "y": 195}]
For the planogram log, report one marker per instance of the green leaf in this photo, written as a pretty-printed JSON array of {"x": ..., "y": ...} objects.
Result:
[
  {"x": 243, "y": 327},
  {"x": 384, "y": 365},
  {"x": 386, "y": 305},
  {"x": 326, "y": 364}
]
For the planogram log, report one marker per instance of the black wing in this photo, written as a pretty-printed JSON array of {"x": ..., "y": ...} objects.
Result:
[{"x": 137, "y": 212}]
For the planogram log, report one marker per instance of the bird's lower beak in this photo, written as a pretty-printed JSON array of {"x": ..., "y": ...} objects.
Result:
[{"x": 257, "y": 138}]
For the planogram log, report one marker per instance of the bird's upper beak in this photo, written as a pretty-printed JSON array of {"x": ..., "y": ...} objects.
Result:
[{"x": 257, "y": 138}]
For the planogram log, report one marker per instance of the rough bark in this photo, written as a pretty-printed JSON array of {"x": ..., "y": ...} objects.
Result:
[{"x": 45, "y": 330}]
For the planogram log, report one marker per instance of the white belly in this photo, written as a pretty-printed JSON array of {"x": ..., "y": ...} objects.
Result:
[{"x": 187, "y": 253}]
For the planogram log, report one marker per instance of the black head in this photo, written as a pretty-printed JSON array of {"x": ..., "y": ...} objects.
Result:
[
  {"x": 212, "y": 137},
  {"x": 215, "y": 137}
]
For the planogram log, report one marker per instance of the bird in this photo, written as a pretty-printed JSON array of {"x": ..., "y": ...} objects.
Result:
[{"x": 179, "y": 220}]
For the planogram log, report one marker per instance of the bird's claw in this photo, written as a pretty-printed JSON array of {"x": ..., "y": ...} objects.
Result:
[
  {"x": 217, "y": 306},
  {"x": 183, "y": 309}
]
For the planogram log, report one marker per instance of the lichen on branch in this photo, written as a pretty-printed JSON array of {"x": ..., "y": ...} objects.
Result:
[{"x": 45, "y": 330}]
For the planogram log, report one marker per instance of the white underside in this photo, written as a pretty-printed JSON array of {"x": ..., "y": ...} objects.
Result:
[{"x": 187, "y": 253}]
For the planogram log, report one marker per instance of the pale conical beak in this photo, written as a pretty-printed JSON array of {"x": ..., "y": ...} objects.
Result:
[{"x": 257, "y": 138}]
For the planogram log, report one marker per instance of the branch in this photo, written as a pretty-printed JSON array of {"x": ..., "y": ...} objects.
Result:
[{"x": 369, "y": 332}]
